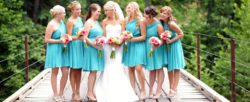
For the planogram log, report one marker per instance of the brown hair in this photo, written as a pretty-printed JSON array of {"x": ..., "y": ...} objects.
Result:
[
  {"x": 151, "y": 11},
  {"x": 93, "y": 7},
  {"x": 169, "y": 11}
]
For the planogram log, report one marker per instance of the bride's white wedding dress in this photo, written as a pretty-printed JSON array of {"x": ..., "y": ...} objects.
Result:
[{"x": 113, "y": 84}]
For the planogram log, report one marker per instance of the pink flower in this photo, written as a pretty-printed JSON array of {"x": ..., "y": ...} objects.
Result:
[
  {"x": 81, "y": 32},
  {"x": 100, "y": 40},
  {"x": 154, "y": 41},
  {"x": 66, "y": 38},
  {"x": 126, "y": 35},
  {"x": 165, "y": 35}
]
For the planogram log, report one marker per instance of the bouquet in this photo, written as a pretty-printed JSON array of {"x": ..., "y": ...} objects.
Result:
[
  {"x": 83, "y": 33},
  {"x": 165, "y": 35},
  {"x": 126, "y": 35},
  {"x": 154, "y": 41},
  {"x": 100, "y": 41},
  {"x": 114, "y": 41},
  {"x": 66, "y": 39}
]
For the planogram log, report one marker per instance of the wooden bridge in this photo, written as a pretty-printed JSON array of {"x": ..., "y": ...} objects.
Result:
[{"x": 190, "y": 90}]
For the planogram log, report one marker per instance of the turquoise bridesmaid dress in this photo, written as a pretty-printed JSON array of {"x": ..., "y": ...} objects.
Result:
[
  {"x": 55, "y": 57},
  {"x": 76, "y": 47},
  {"x": 91, "y": 60},
  {"x": 156, "y": 60},
  {"x": 136, "y": 54},
  {"x": 165, "y": 48},
  {"x": 175, "y": 54}
]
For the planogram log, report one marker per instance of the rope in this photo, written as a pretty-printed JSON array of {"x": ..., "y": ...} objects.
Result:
[
  {"x": 19, "y": 54},
  {"x": 18, "y": 72}
]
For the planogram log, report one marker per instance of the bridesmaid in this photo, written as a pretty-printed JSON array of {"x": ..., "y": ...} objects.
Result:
[
  {"x": 55, "y": 57},
  {"x": 75, "y": 51},
  {"x": 135, "y": 57},
  {"x": 155, "y": 62},
  {"x": 92, "y": 62},
  {"x": 175, "y": 52}
]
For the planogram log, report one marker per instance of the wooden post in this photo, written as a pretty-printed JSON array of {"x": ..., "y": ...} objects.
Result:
[
  {"x": 232, "y": 44},
  {"x": 26, "y": 59},
  {"x": 198, "y": 54}
]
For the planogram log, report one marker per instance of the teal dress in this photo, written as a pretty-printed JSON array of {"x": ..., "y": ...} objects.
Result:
[
  {"x": 136, "y": 54},
  {"x": 55, "y": 56},
  {"x": 76, "y": 47},
  {"x": 175, "y": 54},
  {"x": 165, "y": 48},
  {"x": 91, "y": 60},
  {"x": 156, "y": 60}
]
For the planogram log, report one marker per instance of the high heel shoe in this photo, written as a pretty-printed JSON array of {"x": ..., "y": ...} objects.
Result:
[
  {"x": 172, "y": 94},
  {"x": 57, "y": 98},
  {"x": 62, "y": 98},
  {"x": 157, "y": 96},
  {"x": 142, "y": 96},
  {"x": 150, "y": 96},
  {"x": 77, "y": 98},
  {"x": 91, "y": 99}
]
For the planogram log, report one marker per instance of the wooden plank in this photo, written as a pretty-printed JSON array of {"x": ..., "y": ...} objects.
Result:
[
  {"x": 147, "y": 87},
  {"x": 205, "y": 89},
  {"x": 187, "y": 89},
  {"x": 18, "y": 94},
  {"x": 163, "y": 97}
]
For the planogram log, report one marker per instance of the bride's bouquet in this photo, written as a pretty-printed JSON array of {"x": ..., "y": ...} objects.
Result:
[
  {"x": 154, "y": 41},
  {"x": 66, "y": 39},
  {"x": 82, "y": 33},
  {"x": 100, "y": 41},
  {"x": 165, "y": 35},
  {"x": 116, "y": 41},
  {"x": 126, "y": 35}
]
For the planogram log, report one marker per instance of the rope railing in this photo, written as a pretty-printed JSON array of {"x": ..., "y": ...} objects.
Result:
[
  {"x": 224, "y": 59},
  {"x": 212, "y": 36},
  {"x": 19, "y": 71},
  {"x": 211, "y": 62},
  {"x": 22, "y": 36},
  {"x": 19, "y": 54},
  {"x": 228, "y": 80}
]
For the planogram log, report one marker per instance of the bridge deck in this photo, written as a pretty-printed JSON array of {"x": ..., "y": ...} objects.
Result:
[{"x": 39, "y": 90}]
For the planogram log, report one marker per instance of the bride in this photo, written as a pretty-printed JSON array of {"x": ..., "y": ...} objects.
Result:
[{"x": 113, "y": 84}]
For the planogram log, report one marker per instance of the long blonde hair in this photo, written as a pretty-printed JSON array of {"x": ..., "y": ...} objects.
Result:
[
  {"x": 169, "y": 11},
  {"x": 136, "y": 13},
  {"x": 111, "y": 5}
]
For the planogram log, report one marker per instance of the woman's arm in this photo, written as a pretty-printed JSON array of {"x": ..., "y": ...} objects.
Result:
[
  {"x": 70, "y": 25},
  {"x": 88, "y": 26},
  {"x": 176, "y": 29},
  {"x": 143, "y": 33},
  {"x": 48, "y": 34}
]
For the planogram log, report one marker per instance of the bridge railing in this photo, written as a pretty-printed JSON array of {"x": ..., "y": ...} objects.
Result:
[
  {"x": 23, "y": 67},
  {"x": 232, "y": 61},
  {"x": 234, "y": 84}
]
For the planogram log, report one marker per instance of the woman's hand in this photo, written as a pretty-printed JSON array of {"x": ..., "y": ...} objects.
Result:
[
  {"x": 169, "y": 41},
  {"x": 98, "y": 47}
]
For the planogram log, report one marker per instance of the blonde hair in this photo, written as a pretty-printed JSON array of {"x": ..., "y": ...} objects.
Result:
[
  {"x": 136, "y": 13},
  {"x": 56, "y": 10},
  {"x": 169, "y": 11},
  {"x": 111, "y": 5},
  {"x": 73, "y": 4}
]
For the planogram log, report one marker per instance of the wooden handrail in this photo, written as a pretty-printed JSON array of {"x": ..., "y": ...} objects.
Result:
[
  {"x": 205, "y": 89},
  {"x": 18, "y": 95}
]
